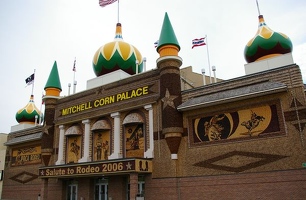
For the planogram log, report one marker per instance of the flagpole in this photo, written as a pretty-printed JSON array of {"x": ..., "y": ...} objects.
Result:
[
  {"x": 40, "y": 116},
  {"x": 118, "y": 11},
  {"x": 33, "y": 83},
  {"x": 258, "y": 8},
  {"x": 208, "y": 60},
  {"x": 74, "y": 70}
]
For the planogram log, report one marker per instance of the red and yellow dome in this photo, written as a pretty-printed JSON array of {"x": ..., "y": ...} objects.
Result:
[
  {"x": 117, "y": 55},
  {"x": 266, "y": 43}
]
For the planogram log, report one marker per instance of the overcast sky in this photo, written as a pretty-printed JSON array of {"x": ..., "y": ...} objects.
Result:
[{"x": 35, "y": 33}]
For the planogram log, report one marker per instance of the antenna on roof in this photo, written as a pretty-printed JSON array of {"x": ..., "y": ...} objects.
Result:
[
  {"x": 144, "y": 64},
  {"x": 74, "y": 81},
  {"x": 257, "y": 7},
  {"x": 203, "y": 73},
  {"x": 69, "y": 85}
]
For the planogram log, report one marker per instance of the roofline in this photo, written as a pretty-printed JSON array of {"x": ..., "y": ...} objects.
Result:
[{"x": 235, "y": 98}]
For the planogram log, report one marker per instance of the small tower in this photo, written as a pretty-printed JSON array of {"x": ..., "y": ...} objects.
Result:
[
  {"x": 170, "y": 86},
  {"x": 52, "y": 89}
]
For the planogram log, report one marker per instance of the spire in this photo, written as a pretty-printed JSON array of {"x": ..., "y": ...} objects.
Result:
[
  {"x": 118, "y": 32},
  {"x": 53, "y": 86},
  {"x": 167, "y": 40}
]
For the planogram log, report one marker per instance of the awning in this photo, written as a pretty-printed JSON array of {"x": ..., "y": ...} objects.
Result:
[
  {"x": 226, "y": 96},
  {"x": 23, "y": 139}
]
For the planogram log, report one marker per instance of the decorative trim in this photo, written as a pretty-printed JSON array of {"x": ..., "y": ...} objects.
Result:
[
  {"x": 24, "y": 177},
  {"x": 264, "y": 159}
]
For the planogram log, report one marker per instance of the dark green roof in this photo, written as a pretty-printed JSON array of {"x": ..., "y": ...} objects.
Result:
[
  {"x": 167, "y": 35},
  {"x": 54, "y": 80}
]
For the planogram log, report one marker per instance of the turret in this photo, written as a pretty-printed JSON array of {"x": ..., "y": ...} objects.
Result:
[
  {"x": 170, "y": 89},
  {"x": 52, "y": 89},
  {"x": 53, "y": 86}
]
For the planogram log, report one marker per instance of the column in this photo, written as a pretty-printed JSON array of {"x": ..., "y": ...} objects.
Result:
[
  {"x": 44, "y": 189},
  {"x": 150, "y": 150},
  {"x": 170, "y": 86},
  {"x": 60, "y": 159},
  {"x": 86, "y": 157},
  {"x": 116, "y": 153},
  {"x": 133, "y": 185}
]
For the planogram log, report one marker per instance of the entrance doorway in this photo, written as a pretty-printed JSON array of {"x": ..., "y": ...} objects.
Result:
[
  {"x": 72, "y": 192},
  {"x": 101, "y": 189},
  {"x": 141, "y": 188}
]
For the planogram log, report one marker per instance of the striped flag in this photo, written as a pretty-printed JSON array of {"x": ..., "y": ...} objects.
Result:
[
  {"x": 198, "y": 42},
  {"x": 104, "y": 3},
  {"x": 42, "y": 99},
  {"x": 156, "y": 44}
]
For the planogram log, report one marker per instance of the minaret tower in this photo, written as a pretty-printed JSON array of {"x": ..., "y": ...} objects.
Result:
[
  {"x": 52, "y": 89},
  {"x": 170, "y": 88}
]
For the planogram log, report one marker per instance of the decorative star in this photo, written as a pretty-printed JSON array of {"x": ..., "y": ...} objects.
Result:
[
  {"x": 168, "y": 100},
  {"x": 42, "y": 172},
  {"x": 129, "y": 166},
  {"x": 100, "y": 90},
  {"x": 46, "y": 128}
]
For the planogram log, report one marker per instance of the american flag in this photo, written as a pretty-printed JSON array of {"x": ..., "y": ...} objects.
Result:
[
  {"x": 103, "y": 3},
  {"x": 198, "y": 42}
]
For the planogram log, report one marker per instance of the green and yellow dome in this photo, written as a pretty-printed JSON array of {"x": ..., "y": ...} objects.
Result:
[
  {"x": 117, "y": 55},
  {"x": 27, "y": 114},
  {"x": 266, "y": 43}
]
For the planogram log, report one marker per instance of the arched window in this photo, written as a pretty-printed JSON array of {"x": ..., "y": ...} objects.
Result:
[
  {"x": 74, "y": 143},
  {"x": 101, "y": 140},
  {"x": 134, "y": 135}
]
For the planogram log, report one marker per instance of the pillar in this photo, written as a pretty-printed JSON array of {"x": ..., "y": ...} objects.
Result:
[
  {"x": 60, "y": 159},
  {"x": 133, "y": 185},
  {"x": 116, "y": 153},
  {"x": 44, "y": 189},
  {"x": 85, "y": 157},
  {"x": 170, "y": 86},
  {"x": 150, "y": 150}
]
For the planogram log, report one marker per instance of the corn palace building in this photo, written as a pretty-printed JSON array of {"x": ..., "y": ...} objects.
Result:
[{"x": 138, "y": 135}]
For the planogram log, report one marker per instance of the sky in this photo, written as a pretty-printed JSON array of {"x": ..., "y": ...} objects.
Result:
[{"x": 34, "y": 34}]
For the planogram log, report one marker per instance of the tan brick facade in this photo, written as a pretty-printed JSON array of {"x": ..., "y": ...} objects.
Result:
[{"x": 265, "y": 165}]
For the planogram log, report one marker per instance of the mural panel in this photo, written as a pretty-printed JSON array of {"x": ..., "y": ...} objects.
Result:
[
  {"x": 73, "y": 149},
  {"x": 26, "y": 155},
  {"x": 101, "y": 145},
  {"x": 247, "y": 123},
  {"x": 134, "y": 142}
]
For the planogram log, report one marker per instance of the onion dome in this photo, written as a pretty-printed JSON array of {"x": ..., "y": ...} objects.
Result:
[
  {"x": 28, "y": 113},
  {"x": 117, "y": 55},
  {"x": 266, "y": 43}
]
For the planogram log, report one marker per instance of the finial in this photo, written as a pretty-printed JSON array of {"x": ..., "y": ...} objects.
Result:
[{"x": 118, "y": 31}]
